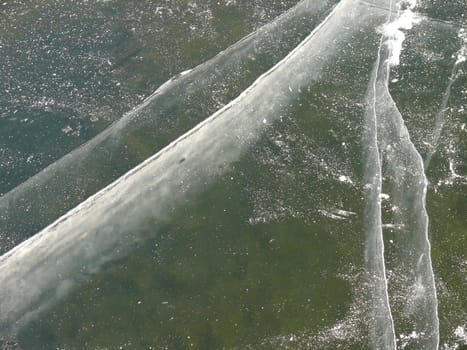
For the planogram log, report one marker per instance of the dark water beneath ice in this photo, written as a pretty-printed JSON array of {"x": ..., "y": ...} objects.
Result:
[{"x": 253, "y": 231}]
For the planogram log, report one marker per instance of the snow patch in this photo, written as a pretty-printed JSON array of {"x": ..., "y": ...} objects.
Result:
[{"x": 394, "y": 34}]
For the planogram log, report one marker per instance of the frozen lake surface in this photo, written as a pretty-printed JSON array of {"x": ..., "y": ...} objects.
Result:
[{"x": 233, "y": 174}]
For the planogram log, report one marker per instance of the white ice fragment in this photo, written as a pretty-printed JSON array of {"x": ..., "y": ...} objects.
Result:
[
  {"x": 393, "y": 226},
  {"x": 395, "y": 37},
  {"x": 265, "y": 121},
  {"x": 279, "y": 143},
  {"x": 337, "y": 214},
  {"x": 344, "y": 178},
  {"x": 462, "y": 53},
  {"x": 427, "y": 144},
  {"x": 460, "y": 333},
  {"x": 384, "y": 196},
  {"x": 330, "y": 215},
  {"x": 67, "y": 129},
  {"x": 345, "y": 213},
  {"x": 406, "y": 339}
]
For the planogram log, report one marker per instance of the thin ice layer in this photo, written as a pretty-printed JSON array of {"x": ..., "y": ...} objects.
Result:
[
  {"x": 101, "y": 228},
  {"x": 412, "y": 291},
  {"x": 174, "y": 108}
]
